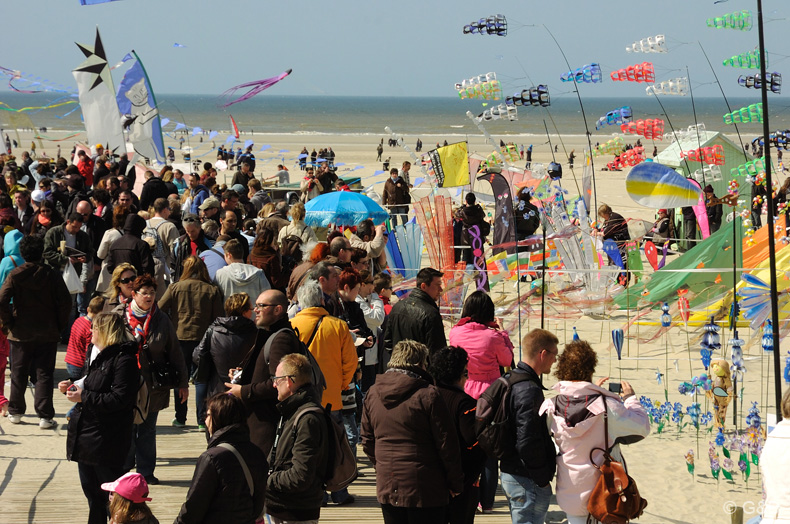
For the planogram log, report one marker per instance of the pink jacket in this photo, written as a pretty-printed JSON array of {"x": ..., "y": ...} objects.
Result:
[
  {"x": 487, "y": 349},
  {"x": 576, "y": 476}
]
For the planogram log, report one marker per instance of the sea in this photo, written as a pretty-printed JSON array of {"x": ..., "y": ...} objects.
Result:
[{"x": 438, "y": 116}]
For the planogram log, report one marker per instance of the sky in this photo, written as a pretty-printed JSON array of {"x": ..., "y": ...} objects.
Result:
[{"x": 375, "y": 48}]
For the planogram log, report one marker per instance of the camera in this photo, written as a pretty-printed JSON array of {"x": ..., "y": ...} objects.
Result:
[
  {"x": 236, "y": 376},
  {"x": 615, "y": 387}
]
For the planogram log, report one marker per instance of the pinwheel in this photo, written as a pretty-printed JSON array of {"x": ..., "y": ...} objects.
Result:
[
  {"x": 617, "y": 340},
  {"x": 589, "y": 74},
  {"x": 767, "y": 340},
  {"x": 710, "y": 342},
  {"x": 643, "y": 72},
  {"x": 651, "y": 44},
  {"x": 755, "y": 298},
  {"x": 615, "y": 117},
  {"x": 495, "y": 25},
  {"x": 676, "y": 87},
  {"x": 772, "y": 80}
]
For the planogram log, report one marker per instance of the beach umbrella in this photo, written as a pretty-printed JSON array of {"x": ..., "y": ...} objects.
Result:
[{"x": 343, "y": 208}]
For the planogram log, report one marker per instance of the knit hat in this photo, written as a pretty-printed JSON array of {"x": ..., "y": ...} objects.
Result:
[
  {"x": 131, "y": 486},
  {"x": 708, "y": 189}
]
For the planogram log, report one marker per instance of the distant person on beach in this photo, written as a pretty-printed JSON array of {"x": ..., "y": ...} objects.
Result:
[
  {"x": 571, "y": 158},
  {"x": 379, "y": 151},
  {"x": 283, "y": 176},
  {"x": 303, "y": 154},
  {"x": 386, "y": 164},
  {"x": 418, "y": 148}
]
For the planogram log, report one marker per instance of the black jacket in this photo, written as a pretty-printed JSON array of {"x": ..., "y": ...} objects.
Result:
[
  {"x": 417, "y": 318},
  {"x": 462, "y": 407},
  {"x": 219, "y": 491},
  {"x": 534, "y": 455},
  {"x": 52, "y": 254},
  {"x": 152, "y": 189},
  {"x": 355, "y": 318},
  {"x": 131, "y": 248},
  {"x": 231, "y": 340},
  {"x": 183, "y": 251},
  {"x": 100, "y": 428},
  {"x": 295, "y": 490}
]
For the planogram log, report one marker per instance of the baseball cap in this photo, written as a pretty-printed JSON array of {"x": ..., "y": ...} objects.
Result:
[
  {"x": 209, "y": 203},
  {"x": 664, "y": 211},
  {"x": 37, "y": 196},
  {"x": 131, "y": 486}
]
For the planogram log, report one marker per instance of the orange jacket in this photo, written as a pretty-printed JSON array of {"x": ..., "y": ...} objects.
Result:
[{"x": 333, "y": 348}]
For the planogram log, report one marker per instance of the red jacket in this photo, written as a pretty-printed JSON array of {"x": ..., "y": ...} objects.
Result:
[
  {"x": 86, "y": 170},
  {"x": 78, "y": 342}
]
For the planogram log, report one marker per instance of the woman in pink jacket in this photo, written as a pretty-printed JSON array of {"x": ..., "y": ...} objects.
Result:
[
  {"x": 488, "y": 348},
  {"x": 577, "y": 421}
]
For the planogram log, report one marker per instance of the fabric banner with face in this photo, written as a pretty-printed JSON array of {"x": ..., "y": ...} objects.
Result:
[
  {"x": 141, "y": 117},
  {"x": 451, "y": 165},
  {"x": 97, "y": 98}
]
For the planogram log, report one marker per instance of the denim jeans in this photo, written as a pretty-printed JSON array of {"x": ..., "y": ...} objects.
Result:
[
  {"x": 143, "y": 449},
  {"x": 528, "y": 502},
  {"x": 488, "y": 483},
  {"x": 201, "y": 390},
  {"x": 352, "y": 430}
]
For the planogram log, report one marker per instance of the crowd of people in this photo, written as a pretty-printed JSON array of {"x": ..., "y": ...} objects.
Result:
[{"x": 285, "y": 337}]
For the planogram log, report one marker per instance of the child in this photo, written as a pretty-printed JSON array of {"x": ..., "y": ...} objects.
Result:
[
  {"x": 80, "y": 339},
  {"x": 128, "y": 500}
]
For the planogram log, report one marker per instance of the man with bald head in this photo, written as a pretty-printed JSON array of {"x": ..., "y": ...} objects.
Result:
[
  {"x": 95, "y": 227},
  {"x": 276, "y": 338},
  {"x": 340, "y": 247}
]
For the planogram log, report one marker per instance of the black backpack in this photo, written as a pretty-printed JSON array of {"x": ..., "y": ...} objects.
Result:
[
  {"x": 303, "y": 349},
  {"x": 493, "y": 428}
]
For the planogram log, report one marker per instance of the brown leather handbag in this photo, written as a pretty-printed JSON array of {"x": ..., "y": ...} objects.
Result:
[{"x": 615, "y": 498}]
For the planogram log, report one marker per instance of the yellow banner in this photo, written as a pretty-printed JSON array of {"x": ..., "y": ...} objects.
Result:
[{"x": 454, "y": 159}]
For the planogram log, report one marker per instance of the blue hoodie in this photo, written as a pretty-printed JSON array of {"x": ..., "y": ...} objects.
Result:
[
  {"x": 201, "y": 193},
  {"x": 12, "y": 257}
]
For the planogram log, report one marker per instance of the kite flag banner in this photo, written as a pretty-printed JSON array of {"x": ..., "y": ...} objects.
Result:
[
  {"x": 234, "y": 127},
  {"x": 94, "y": 2},
  {"x": 97, "y": 98},
  {"x": 137, "y": 104},
  {"x": 451, "y": 165}
]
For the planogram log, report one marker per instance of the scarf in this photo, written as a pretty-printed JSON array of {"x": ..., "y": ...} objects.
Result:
[
  {"x": 44, "y": 221},
  {"x": 139, "y": 321}
]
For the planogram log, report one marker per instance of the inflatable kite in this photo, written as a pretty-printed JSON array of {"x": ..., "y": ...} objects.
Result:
[
  {"x": 708, "y": 174},
  {"x": 615, "y": 117},
  {"x": 636, "y": 73},
  {"x": 745, "y": 115},
  {"x": 613, "y": 146},
  {"x": 501, "y": 111},
  {"x": 752, "y": 168},
  {"x": 708, "y": 155},
  {"x": 254, "y": 88},
  {"x": 773, "y": 82},
  {"x": 652, "y": 129},
  {"x": 657, "y": 186},
  {"x": 748, "y": 60},
  {"x": 676, "y": 87},
  {"x": 495, "y": 25},
  {"x": 629, "y": 158},
  {"x": 589, "y": 74},
  {"x": 651, "y": 44},
  {"x": 482, "y": 86},
  {"x": 682, "y": 134},
  {"x": 740, "y": 20},
  {"x": 534, "y": 96}
]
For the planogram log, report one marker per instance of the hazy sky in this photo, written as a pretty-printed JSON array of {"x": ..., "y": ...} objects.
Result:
[{"x": 375, "y": 48}]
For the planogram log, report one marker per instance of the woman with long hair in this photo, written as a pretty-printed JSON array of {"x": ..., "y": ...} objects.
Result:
[
  {"x": 489, "y": 349},
  {"x": 192, "y": 304},
  {"x": 119, "y": 214},
  {"x": 220, "y": 490},
  {"x": 100, "y": 427},
  {"x": 578, "y": 414},
  {"x": 266, "y": 256},
  {"x": 120, "y": 288},
  {"x": 44, "y": 219},
  {"x": 158, "y": 350}
]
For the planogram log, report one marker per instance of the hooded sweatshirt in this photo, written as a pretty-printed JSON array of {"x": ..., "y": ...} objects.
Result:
[
  {"x": 131, "y": 248},
  {"x": 241, "y": 278},
  {"x": 12, "y": 258}
]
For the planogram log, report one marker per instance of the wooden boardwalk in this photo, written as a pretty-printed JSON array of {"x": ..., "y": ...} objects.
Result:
[{"x": 38, "y": 484}]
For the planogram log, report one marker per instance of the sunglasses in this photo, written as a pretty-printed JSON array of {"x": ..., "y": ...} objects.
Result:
[{"x": 128, "y": 280}]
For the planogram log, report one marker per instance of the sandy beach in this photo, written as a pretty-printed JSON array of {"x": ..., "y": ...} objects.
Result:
[{"x": 39, "y": 485}]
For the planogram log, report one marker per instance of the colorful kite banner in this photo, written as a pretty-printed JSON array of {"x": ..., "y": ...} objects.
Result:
[
  {"x": 451, "y": 165},
  {"x": 137, "y": 104}
]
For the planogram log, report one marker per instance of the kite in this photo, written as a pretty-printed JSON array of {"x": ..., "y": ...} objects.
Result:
[
  {"x": 657, "y": 186},
  {"x": 615, "y": 117},
  {"x": 6, "y": 107},
  {"x": 740, "y": 20},
  {"x": 482, "y": 86},
  {"x": 711, "y": 173},
  {"x": 676, "y": 87},
  {"x": 643, "y": 72},
  {"x": 137, "y": 104},
  {"x": 752, "y": 168},
  {"x": 708, "y": 155},
  {"x": 652, "y": 129},
  {"x": 40, "y": 85},
  {"x": 235, "y": 128},
  {"x": 630, "y": 158},
  {"x": 748, "y": 60},
  {"x": 534, "y": 96},
  {"x": 94, "y": 2},
  {"x": 613, "y": 146},
  {"x": 178, "y": 45},
  {"x": 773, "y": 81},
  {"x": 692, "y": 131},
  {"x": 779, "y": 139},
  {"x": 651, "y": 44},
  {"x": 495, "y": 113},
  {"x": 745, "y": 115},
  {"x": 589, "y": 74},
  {"x": 495, "y": 25},
  {"x": 97, "y": 98},
  {"x": 255, "y": 87}
]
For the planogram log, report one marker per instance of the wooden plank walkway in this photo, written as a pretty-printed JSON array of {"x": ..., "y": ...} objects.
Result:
[{"x": 38, "y": 484}]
